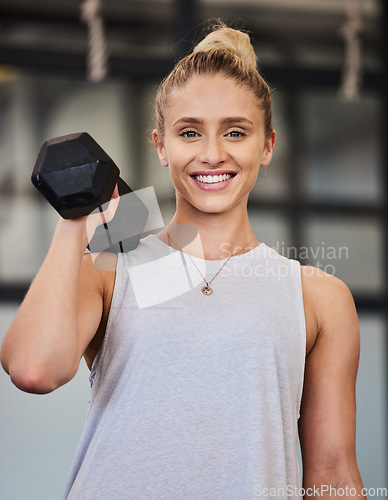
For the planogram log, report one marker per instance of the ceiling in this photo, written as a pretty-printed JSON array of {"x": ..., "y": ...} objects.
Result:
[{"x": 284, "y": 32}]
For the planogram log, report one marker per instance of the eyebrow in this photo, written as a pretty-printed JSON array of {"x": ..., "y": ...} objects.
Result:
[{"x": 224, "y": 121}]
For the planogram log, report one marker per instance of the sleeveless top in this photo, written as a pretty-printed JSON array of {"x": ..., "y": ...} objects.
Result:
[{"x": 196, "y": 397}]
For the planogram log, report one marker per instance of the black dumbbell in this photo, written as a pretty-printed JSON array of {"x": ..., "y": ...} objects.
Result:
[{"x": 76, "y": 176}]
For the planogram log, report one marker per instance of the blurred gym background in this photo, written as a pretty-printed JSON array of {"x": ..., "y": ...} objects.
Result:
[{"x": 66, "y": 66}]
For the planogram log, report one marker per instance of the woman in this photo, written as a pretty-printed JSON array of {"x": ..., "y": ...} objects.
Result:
[{"x": 202, "y": 341}]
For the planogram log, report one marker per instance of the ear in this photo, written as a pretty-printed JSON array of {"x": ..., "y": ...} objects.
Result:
[
  {"x": 156, "y": 139},
  {"x": 268, "y": 149}
]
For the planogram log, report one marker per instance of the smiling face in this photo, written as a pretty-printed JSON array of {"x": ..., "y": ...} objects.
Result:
[{"x": 214, "y": 143}]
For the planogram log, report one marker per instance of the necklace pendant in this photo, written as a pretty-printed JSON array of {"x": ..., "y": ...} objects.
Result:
[{"x": 207, "y": 290}]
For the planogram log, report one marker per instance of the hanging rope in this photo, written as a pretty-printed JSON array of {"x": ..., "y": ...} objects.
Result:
[
  {"x": 351, "y": 77},
  {"x": 97, "y": 55}
]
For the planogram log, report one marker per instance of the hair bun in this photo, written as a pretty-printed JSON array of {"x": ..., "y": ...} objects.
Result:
[{"x": 230, "y": 39}]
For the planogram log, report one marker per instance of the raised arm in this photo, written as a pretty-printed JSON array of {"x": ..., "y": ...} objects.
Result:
[
  {"x": 60, "y": 315},
  {"x": 327, "y": 426}
]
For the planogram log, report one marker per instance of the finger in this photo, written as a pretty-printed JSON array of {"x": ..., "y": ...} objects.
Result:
[
  {"x": 110, "y": 211},
  {"x": 115, "y": 193}
]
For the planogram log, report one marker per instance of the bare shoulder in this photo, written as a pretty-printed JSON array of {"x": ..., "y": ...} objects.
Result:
[
  {"x": 323, "y": 285},
  {"x": 328, "y": 303}
]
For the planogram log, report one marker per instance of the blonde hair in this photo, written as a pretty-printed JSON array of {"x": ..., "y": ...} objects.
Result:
[{"x": 224, "y": 50}]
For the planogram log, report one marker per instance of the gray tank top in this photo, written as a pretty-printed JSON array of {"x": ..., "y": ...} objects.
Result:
[{"x": 196, "y": 397}]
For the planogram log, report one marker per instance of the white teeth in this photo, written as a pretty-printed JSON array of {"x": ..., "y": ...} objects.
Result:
[{"x": 211, "y": 179}]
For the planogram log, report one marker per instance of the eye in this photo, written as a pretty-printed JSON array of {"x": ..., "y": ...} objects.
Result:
[
  {"x": 236, "y": 133},
  {"x": 190, "y": 134}
]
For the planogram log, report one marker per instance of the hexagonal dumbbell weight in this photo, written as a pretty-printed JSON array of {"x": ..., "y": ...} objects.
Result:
[{"x": 76, "y": 176}]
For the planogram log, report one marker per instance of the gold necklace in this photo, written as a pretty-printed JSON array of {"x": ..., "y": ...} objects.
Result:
[{"x": 207, "y": 289}]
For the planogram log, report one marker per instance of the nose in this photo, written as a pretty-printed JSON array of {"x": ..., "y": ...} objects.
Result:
[{"x": 213, "y": 151}]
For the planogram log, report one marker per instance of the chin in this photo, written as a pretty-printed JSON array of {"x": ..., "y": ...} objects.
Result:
[
  {"x": 212, "y": 205},
  {"x": 212, "y": 208}
]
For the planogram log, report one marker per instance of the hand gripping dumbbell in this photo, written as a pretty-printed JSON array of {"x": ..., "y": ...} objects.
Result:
[{"x": 76, "y": 176}]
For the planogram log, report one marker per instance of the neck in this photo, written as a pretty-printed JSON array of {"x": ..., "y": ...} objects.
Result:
[{"x": 219, "y": 235}]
